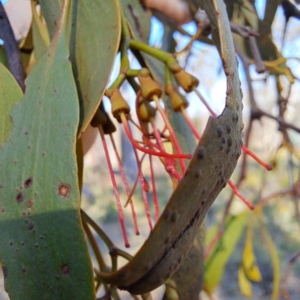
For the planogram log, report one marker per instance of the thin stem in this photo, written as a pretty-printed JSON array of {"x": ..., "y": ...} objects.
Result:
[
  {"x": 110, "y": 245},
  {"x": 163, "y": 56},
  {"x": 99, "y": 257}
]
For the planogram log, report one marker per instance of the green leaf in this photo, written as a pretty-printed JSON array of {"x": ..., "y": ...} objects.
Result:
[
  {"x": 250, "y": 14},
  {"x": 95, "y": 33},
  {"x": 10, "y": 94},
  {"x": 216, "y": 262},
  {"x": 249, "y": 260},
  {"x": 27, "y": 53},
  {"x": 138, "y": 18},
  {"x": 244, "y": 283},
  {"x": 43, "y": 250},
  {"x": 40, "y": 33}
]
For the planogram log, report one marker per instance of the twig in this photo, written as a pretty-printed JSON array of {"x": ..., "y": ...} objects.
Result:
[{"x": 291, "y": 260}]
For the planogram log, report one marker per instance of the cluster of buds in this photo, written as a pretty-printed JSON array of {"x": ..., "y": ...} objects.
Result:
[{"x": 152, "y": 140}]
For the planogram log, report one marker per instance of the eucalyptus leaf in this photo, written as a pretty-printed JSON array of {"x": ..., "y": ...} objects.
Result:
[
  {"x": 10, "y": 94},
  {"x": 94, "y": 40},
  {"x": 43, "y": 251}
]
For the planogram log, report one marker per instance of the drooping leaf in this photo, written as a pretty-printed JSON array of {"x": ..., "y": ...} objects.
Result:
[
  {"x": 251, "y": 17},
  {"x": 249, "y": 261},
  {"x": 216, "y": 262},
  {"x": 10, "y": 94},
  {"x": 40, "y": 33},
  {"x": 95, "y": 33},
  {"x": 27, "y": 53},
  {"x": 244, "y": 283},
  {"x": 43, "y": 250}
]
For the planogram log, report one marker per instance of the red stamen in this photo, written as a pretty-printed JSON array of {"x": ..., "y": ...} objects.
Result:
[
  {"x": 141, "y": 176},
  {"x": 126, "y": 185},
  {"x": 146, "y": 187},
  {"x": 155, "y": 200},
  {"x": 190, "y": 123},
  {"x": 169, "y": 163},
  {"x": 172, "y": 133},
  {"x": 145, "y": 150},
  {"x": 115, "y": 188},
  {"x": 237, "y": 193},
  {"x": 244, "y": 148},
  {"x": 205, "y": 103},
  {"x": 135, "y": 184},
  {"x": 250, "y": 153}
]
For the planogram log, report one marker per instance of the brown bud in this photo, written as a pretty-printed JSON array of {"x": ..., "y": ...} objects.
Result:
[{"x": 187, "y": 81}]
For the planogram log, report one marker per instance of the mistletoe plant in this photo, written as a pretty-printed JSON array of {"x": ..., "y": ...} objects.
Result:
[{"x": 72, "y": 48}]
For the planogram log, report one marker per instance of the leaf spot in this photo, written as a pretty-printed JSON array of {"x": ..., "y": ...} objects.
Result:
[
  {"x": 20, "y": 197},
  {"x": 30, "y": 225},
  {"x": 200, "y": 153},
  {"x": 64, "y": 190},
  {"x": 28, "y": 183},
  {"x": 30, "y": 203},
  {"x": 65, "y": 270}
]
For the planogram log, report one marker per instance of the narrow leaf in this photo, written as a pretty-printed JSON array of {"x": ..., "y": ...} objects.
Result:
[
  {"x": 215, "y": 264},
  {"x": 95, "y": 33},
  {"x": 249, "y": 261},
  {"x": 244, "y": 283},
  {"x": 10, "y": 94},
  {"x": 43, "y": 248},
  {"x": 40, "y": 33}
]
